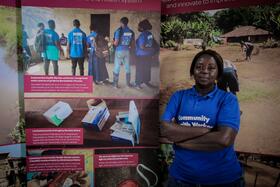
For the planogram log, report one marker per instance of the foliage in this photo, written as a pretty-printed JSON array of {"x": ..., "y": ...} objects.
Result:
[
  {"x": 170, "y": 44},
  {"x": 174, "y": 30},
  {"x": 196, "y": 25},
  {"x": 209, "y": 27},
  {"x": 265, "y": 17},
  {"x": 18, "y": 133}
]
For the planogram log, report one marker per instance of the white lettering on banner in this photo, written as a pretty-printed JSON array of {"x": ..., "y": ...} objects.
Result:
[
  {"x": 117, "y": 1},
  {"x": 195, "y": 3}
]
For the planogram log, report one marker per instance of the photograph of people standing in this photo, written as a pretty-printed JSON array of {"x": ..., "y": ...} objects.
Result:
[
  {"x": 52, "y": 48},
  {"x": 77, "y": 47},
  {"x": 145, "y": 50},
  {"x": 40, "y": 41},
  {"x": 124, "y": 41}
]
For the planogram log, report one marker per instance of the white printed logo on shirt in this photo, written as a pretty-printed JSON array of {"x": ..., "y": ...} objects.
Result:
[
  {"x": 195, "y": 121},
  {"x": 77, "y": 38}
]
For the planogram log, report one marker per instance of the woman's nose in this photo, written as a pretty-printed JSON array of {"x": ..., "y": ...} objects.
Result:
[{"x": 204, "y": 69}]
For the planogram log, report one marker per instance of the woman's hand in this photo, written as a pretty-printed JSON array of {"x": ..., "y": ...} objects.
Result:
[
  {"x": 178, "y": 133},
  {"x": 213, "y": 141}
]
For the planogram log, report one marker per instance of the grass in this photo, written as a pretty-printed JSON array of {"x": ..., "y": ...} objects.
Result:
[
  {"x": 8, "y": 29},
  {"x": 253, "y": 91}
]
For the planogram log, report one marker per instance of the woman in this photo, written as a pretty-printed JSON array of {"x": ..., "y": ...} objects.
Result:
[
  {"x": 145, "y": 50},
  {"x": 203, "y": 122},
  {"x": 101, "y": 52}
]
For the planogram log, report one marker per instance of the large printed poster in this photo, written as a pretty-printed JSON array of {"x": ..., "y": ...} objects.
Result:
[
  {"x": 91, "y": 82},
  {"x": 246, "y": 35}
]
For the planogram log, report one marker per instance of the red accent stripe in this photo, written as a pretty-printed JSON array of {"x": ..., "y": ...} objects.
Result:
[{"x": 140, "y": 5}]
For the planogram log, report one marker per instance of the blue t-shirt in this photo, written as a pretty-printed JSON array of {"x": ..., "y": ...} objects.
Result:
[
  {"x": 77, "y": 40},
  {"x": 91, "y": 40},
  {"x": 218, "y": 107},
  {"x": 125, "y": 37},
  {"x": 145, "y": 39},
  {"x": 51, "y": 37}
]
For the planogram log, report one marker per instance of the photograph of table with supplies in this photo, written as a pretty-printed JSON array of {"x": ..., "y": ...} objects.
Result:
[{"x": 106, "y": 122}]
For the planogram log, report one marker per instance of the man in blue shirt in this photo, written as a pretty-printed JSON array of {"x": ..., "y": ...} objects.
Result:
[
  {"x": 77, "y": 47},
  {"x": 124, "y": 41},
  {"x": 52, "y": 48},
  {"x": 203, "y": 122}
]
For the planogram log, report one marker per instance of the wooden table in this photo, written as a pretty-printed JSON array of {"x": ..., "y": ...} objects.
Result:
[{"x": 148, "y": 111}]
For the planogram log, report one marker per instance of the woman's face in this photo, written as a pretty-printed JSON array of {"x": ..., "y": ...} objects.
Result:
[
  {"x": 140, "y": 29},
  {"x": 205, "y": 71}
]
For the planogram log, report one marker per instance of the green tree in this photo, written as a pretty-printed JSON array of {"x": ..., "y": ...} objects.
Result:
[
  {"x": 266, "y": 17},
  {"x": 194, "y": 25}
]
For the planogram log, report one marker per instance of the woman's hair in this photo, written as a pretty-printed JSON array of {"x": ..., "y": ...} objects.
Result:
[
  {"x": 212, "y": 53},
  {"x": 145, "y": 25},
  {"x": 92, "y": 27}
]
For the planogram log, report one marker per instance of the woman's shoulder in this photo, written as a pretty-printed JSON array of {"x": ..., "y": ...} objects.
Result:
[
  {"x": 182, "y": 92},
  {"x": 226, "y": 96}
]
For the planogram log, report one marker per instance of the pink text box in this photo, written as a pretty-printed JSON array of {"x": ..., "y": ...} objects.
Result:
[
  {"x": 54, "y": 136},
  {"x": 55, "y": 163},
  {"x": 54, "y": 84},
  {"x": 116, "y": 160}
]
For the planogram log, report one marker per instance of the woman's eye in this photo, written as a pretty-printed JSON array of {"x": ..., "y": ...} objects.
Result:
[
  {"x": 198, "y": 67},
  {"x": 211, "y": 68}
]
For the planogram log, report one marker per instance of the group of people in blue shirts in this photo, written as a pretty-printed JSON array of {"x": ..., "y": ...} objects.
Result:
[{"x": 95, "y": 47}]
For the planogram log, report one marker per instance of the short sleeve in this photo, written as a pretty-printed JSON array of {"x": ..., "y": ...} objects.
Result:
[
  {"x": 229, "y": 113},
  {"x": 69, "y": 38},
  {"x": 117, "y": 35},
  {"x": 172, "y": 107},
  {"x": 55, "y": 37},
  {"x": 141, "y": 41}
]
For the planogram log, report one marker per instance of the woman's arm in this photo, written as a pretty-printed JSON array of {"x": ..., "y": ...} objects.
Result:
[
  {"x": 178, "y": 133},
  {"x": 212, "y": 141}
]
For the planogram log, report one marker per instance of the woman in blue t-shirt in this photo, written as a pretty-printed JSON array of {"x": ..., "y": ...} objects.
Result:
[
  {"x": 202, "y": 122},
  {"x": 145, "y": 51}
]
